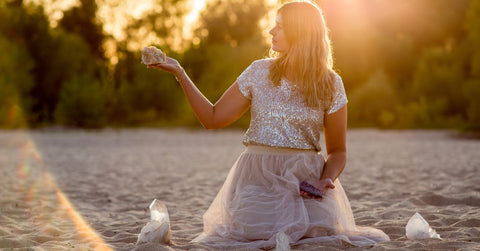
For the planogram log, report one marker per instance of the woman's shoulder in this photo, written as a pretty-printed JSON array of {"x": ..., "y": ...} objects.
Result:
[
  {"x": 263, "y": 63},
  {"x": 254, "y": 76},
  {"x": 257, "y": 68},
  {"x": 336, "y": 77}
]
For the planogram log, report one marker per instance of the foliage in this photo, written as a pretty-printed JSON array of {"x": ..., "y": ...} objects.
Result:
[
  {"x": 231, "y": 22},
  {"x": 82, "y": 21},
  {"x": 374, "y": 102},
  {"x": 404, "y": 63},
  {"x": 148, "y": 96},
  {"x": 82, "y": 103},
  {"x": 426, "y": 56},
  {"x": 163, "y": 21},
  {"x": 28, "y": 28},
  {"x": 15, "y": 83},
  {"x": 438, "y": 80},
  {"x": 471, "y": 88}
]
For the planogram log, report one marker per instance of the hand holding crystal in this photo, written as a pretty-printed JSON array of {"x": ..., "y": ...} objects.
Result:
[
  {"x": 170, "y": 65},
  {"x": 322, "y": 185},
  {"x": 156, "y": 59}
]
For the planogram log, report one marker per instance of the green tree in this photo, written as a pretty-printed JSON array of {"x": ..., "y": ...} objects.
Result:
[
  {"x": 231, "y": 22},
  {"x": 373, "y": 104},
  {"x": 438, "y": 80},
  {"x": 471, "y": 88},
  {"x": 28, "y": 27},
  {"x": 150, "y": 97},
  {"x": 15, "y": 84},
  {"x": 82, "y": 20},
  {"x": 84, "y": 96},
  {"x": 82, "y": 103},
  {"x": 145, "y": 96},
  {"x": 58, "y": 56},
  {"x": 163, "y": 21}
]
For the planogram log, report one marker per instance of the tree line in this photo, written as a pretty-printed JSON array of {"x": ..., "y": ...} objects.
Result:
[{"x": 405, "y": 63}]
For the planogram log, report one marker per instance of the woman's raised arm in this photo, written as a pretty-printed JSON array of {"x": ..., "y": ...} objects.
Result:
[{"x": 230, "y": 107}]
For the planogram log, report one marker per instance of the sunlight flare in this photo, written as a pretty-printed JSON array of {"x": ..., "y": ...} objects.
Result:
[
  {"x": 192, "y": 17},
  {"x": 49, "y": 211}
]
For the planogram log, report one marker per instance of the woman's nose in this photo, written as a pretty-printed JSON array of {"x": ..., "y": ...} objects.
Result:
[{"x": 272, "y": 31}]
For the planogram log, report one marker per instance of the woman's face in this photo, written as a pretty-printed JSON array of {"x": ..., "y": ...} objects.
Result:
[{"x": 279, "y": 41}]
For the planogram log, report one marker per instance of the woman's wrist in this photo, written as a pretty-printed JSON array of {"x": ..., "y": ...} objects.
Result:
[
  {"x": 327, "y": 178},
  {"x": 179, "y": 73}
]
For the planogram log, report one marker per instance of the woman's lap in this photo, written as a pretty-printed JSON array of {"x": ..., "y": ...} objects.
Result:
[{"x": 261, "y": 197}]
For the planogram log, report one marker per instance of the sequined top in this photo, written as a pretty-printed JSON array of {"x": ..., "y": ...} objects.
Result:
[{"x": 279, "y": 115}]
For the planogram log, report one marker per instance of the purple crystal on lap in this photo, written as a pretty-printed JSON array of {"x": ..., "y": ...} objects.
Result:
[{"x": 309, "y": 188}]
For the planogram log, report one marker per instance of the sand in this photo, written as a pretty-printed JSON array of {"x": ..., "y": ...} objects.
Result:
[{"x": 90, "y": 190}]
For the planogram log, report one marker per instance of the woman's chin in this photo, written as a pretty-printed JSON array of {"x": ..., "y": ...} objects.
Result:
[{"x": 275, "y": 49}]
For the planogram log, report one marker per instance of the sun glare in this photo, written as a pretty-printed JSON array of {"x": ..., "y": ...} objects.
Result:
[
  {"x": 54, "y": 9},
  {"x": 116, "y": 14},
  {"x": 47, "y": 210},
  {"x": 192, "y": 17}
]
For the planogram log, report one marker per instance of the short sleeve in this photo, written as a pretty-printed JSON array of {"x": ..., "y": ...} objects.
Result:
[
  {"x": 340, "y": 97},
  {"x": 245, "y": 81}
]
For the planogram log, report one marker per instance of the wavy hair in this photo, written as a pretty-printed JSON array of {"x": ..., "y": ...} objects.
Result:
[{"x": 309, "y": 55}]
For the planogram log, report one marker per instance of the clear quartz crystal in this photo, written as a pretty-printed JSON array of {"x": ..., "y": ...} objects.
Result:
[
  {"x": 418, "y": 228},
  {"x": 158, "y": 229},
  {"x": 283, "y": 243}
]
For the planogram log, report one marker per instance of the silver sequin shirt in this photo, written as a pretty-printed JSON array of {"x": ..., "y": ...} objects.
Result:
[{"x": 280, "y": 116}]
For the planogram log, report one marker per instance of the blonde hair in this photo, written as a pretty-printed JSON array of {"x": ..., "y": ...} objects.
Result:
[{"x": 309, "y": 55}]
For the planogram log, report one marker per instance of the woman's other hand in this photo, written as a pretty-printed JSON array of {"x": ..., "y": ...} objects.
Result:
[{"x": 323, "y": 185}]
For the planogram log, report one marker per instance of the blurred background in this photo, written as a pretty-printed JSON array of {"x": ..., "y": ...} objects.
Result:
[{"x": 405, "y": 63}]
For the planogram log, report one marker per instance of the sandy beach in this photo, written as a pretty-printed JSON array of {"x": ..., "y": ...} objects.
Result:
[{"x": 90, "y": 190}]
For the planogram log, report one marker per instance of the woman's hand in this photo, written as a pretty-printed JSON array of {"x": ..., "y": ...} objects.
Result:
[
  {"x": 171, "y": 65},
  {"x": 323, "y": 185}
]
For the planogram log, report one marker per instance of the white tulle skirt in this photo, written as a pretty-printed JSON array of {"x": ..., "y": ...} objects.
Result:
[{"x": 261, "y": 197}]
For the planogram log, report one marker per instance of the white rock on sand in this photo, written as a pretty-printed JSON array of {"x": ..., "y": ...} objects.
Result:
[{"x": 84, "y": 190}]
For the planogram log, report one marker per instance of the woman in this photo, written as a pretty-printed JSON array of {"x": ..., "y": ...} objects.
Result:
[{"x": 292, "y": 96}]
